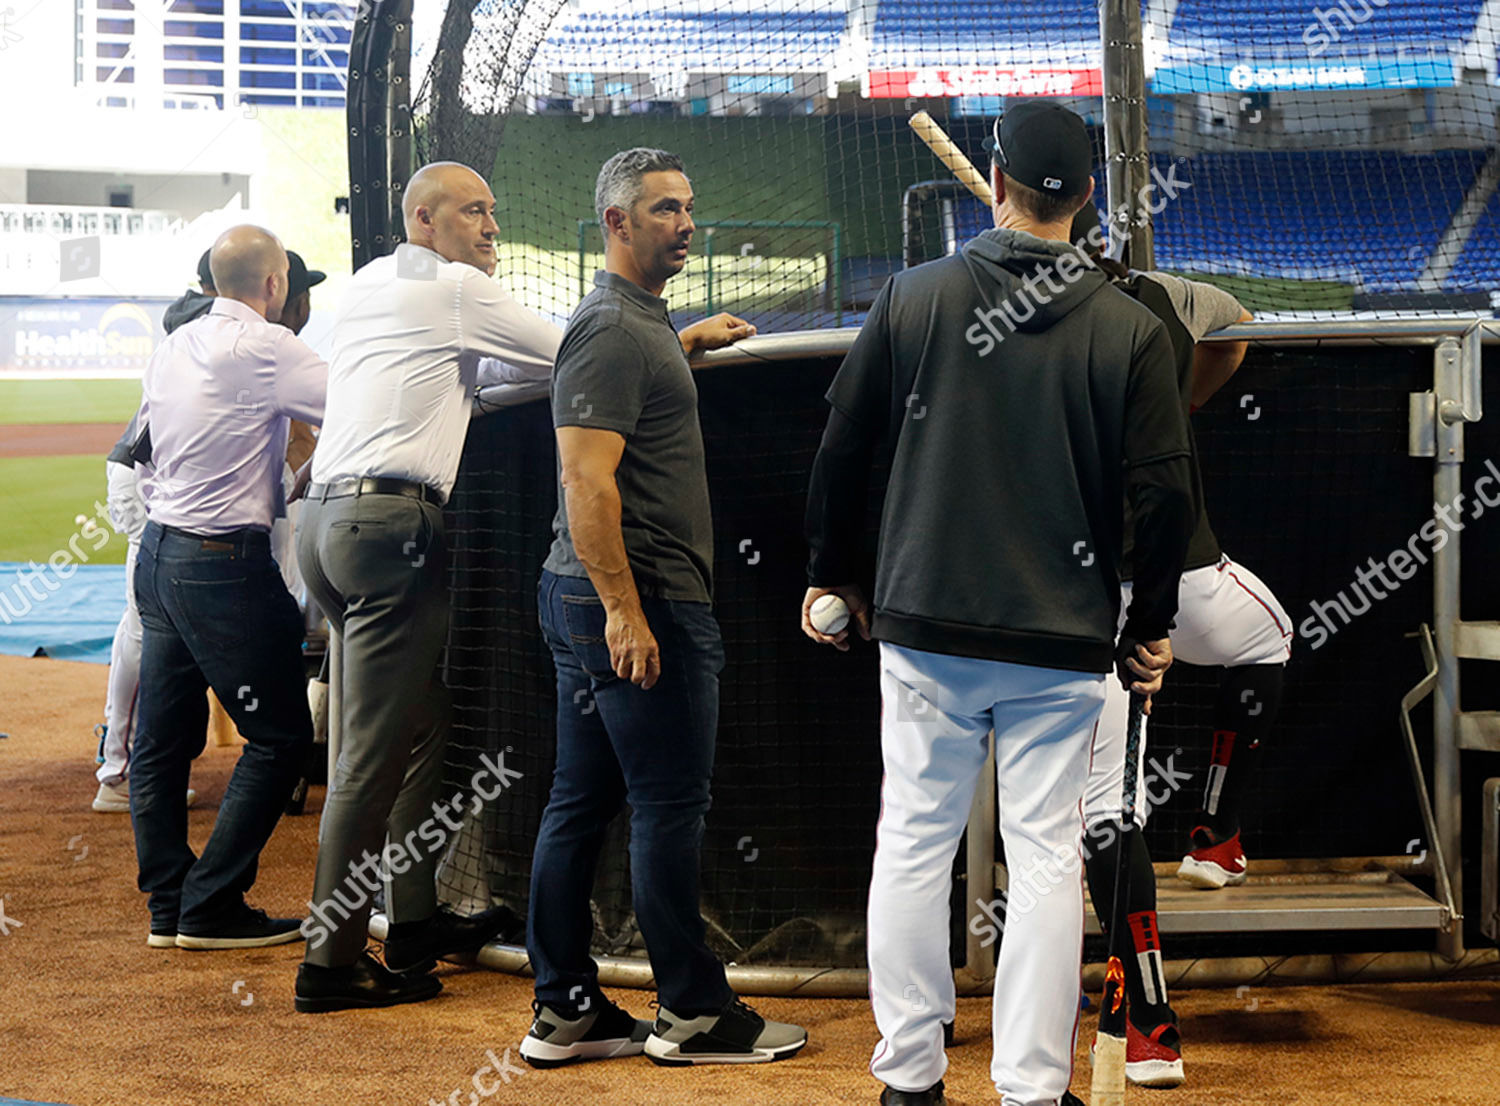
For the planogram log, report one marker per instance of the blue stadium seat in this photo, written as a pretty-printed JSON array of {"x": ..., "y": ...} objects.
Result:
[
  {"x": 915, "y": 33},
  {"x": 1278, "y": 27},
  {"x": 1478, "y": 266},
  {"x": 655, "y": 35},
  {"x": 1290, "y": 214}
]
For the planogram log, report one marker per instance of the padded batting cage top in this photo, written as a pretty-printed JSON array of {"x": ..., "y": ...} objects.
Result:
[{"x": 1356, "y": 180}]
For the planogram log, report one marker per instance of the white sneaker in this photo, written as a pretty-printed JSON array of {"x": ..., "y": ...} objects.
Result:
[
  {"x": 114, "y": 798},
  {"x": 317, "y": 705}
]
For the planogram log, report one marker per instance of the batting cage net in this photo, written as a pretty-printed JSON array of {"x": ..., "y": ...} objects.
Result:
[
  {"x": 1316, "y": 161},
  {"x": 1314, "y": 158},
  {"x": 1307, "y": 479}
]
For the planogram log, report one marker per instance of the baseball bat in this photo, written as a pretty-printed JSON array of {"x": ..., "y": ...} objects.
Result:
[
  {"x": 1108, "y": 1085},
  {"x": 950, "y": 155}
]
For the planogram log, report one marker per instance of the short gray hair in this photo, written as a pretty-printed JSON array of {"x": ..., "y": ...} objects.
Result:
[{"x": 620, "y": 181}]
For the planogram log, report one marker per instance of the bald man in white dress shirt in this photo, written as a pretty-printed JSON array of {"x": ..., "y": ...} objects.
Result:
[{"x": 407, "y": 343}]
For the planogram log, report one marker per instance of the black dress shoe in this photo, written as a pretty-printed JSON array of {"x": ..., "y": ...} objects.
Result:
[
  {"x": 932, "y": 1096},
  {"x": 1070, "y": 1099},
  {"x": 365, "y": 983},
  {"x": 417, "y": 946}
]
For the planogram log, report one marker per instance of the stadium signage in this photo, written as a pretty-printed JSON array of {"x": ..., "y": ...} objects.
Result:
[
  {"x": 901, "y": 84},
  {"x": 1425, "y": 72},
  {"x": 78, "y": 335}
]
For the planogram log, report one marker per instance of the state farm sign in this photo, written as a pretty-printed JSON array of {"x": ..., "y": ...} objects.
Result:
[{"x": 900, "y": 84}]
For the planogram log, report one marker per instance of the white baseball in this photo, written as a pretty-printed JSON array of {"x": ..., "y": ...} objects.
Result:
[{"x": 829, "y": 614}]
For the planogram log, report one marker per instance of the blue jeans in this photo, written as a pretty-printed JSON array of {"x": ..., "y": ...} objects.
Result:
[
  {"x": 214, "y": 613},
  {"x": 619, "y": 743}
]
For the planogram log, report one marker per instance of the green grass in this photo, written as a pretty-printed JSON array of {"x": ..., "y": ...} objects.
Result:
[
  {"x": 39, "y": 499},
  {"x": 1261, "y": 294},
  {"x": 32, "y": 402}
]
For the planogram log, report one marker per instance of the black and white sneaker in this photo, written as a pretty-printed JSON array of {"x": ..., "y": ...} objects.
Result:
[
  {"x": 735, "y": 1035},
  {"x": 245, "y": 928},
  {"x": 556, "y": 1039}
]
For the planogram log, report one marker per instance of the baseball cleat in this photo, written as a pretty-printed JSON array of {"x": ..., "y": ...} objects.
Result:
[
  {"x": 735, "y": 1035},
  {"x": 932, "y": 1096},
  {"x": 1210, "y": 865},
  {"x": 1153, "y": 1059},
  {"x": 607, "y": 1032}
]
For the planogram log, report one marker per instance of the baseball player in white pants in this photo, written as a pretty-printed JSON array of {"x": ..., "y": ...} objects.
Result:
[
  {"x": 127, "y": 514},
  {"x": 1226, "y": 618},
  {"x": 996, "y": 588},
  {"x": 936, "y": 715}
]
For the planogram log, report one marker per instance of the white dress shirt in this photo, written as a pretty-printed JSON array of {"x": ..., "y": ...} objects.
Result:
[
  {"x": 407, "y": 344},
  {"x": 218, "y": 393}
]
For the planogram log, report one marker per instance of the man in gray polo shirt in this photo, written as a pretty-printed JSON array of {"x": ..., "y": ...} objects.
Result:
[{"x": 625, "y": 608}]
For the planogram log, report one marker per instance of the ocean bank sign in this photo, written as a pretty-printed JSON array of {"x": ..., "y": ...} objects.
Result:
[
  {"x": 1425, "y": 72},
  {"x": 79, "y": 336}
]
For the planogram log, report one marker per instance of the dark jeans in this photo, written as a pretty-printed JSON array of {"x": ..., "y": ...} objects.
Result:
[
  {"x": 618, "y": 743},
  {"x": 214, "y": 613}
]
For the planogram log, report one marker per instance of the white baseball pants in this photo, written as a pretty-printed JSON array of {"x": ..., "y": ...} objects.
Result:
[
  {"x": 1226, "y": 616},
  {"x": 936, "y": 712},
  {"x": 127, "y": 514}
]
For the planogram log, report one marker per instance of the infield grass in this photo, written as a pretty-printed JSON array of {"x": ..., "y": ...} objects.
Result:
[
  {"x": 39, "y": 402},
  {"x": 39, "y": 499}
]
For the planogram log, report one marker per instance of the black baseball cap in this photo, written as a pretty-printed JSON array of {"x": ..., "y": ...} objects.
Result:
[
  {"x": 299, "y": 278},
  {"x": 1044, "y": 146},
  {"x": 205, "y": 274}
]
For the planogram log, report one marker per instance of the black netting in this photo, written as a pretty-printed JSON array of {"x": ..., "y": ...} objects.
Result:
[
  {"x": 1307, "y": 472},
  {"x": 1312, "y": 178},
  {"x": 1325, "y": 159}
]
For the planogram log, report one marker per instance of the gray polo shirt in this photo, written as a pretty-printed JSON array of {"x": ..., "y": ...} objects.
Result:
[{"x": 621, "y": 368}]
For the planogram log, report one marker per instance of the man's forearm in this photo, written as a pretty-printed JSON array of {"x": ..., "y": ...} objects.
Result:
[
  {"x": 594, "y": 521},
  {"x": 1213, "y": 364}
]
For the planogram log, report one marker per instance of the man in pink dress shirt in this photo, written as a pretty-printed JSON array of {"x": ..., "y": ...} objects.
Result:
[{"x": 218, "y": 394}]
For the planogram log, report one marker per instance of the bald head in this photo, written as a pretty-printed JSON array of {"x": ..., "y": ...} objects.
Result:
[
  {"x": 449, "y": 209},
  {"x": 249, "y": 264}
]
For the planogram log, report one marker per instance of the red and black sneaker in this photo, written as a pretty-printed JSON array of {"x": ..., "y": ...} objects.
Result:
[
  {"x": 1213, "y": 864},
  {"x": 1153, "y": 1059}
]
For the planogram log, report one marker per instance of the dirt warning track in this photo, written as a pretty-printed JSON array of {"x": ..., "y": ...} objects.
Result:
[{"x": 59, "y": 439}]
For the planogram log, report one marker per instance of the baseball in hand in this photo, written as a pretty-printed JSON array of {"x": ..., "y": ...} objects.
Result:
[{"x": 829, "y": 614}]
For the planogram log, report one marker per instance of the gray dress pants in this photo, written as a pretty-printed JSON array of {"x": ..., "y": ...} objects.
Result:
[{"x": 376, "y": 564}]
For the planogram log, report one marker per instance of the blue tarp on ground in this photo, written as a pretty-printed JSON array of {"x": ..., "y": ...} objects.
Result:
[{"x": 72, "y": 619}]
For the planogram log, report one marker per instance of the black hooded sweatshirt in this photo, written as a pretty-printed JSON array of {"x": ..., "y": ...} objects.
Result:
[{"x": 1022, "y": 401}]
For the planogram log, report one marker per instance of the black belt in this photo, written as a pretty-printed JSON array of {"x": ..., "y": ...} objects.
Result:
[
  {"x": 373, "y": 485},
  {"x": 229, "y": 541}
]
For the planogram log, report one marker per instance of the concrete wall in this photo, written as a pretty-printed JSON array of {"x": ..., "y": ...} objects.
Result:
[{"x": 187, "y": 194}]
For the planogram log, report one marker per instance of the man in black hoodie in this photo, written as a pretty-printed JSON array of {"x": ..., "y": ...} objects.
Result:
[{"x": 1022, "y": 401}]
